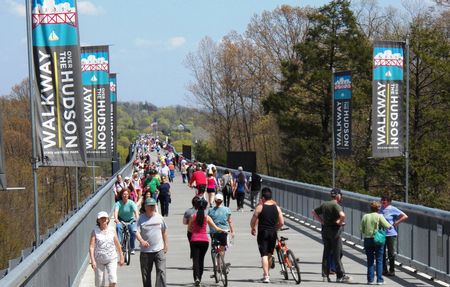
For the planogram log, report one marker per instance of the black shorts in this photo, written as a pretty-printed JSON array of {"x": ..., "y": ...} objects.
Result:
[
  {"x": 220, "y": 238},
  {"x": 210, "y": 190},
  {"x": 266, "y": 242},
  {"x": 201, "y": 188}
]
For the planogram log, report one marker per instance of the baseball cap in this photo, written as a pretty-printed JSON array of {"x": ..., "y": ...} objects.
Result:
[
  {"x": 240, "y": 168},
  {"x": 150, "y": 201},
  {"x": 102, "y": 214},
  {"x": 126, "y": 178},
  {"x": 335, "y": 191},
  {"x": 219, "y": 196}
]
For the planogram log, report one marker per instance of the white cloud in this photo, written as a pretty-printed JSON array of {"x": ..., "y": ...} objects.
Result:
[
  {"x": 89, "y": 8},
  {"x": 16, "y": 8},
  {"x": 176, "y": 42}
]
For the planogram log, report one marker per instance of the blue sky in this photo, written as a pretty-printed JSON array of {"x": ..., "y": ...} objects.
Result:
[{"x": 149, "y": 39}]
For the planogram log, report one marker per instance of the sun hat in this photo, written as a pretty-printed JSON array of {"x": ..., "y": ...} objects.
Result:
[
  {"x": 150, "y": 201},
  {"x": 102, "y": 214}
]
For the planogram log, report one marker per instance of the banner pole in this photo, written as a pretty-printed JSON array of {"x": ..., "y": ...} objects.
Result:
[
  {"x": 77, "y": 188},
  {"x": 34, "y": 160},
  {"x": 93, "y": 176},
  {"x": 333, "y": 148},
  {"x": 407, "y": 125}
]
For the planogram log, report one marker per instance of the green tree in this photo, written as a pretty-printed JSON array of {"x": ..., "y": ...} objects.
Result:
[
  {"x": 429, "y": 110},
  {"x": 303, "y": 105}
]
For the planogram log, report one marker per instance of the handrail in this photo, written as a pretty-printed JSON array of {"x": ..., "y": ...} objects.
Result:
[
  {"x": 27, "y": 269},
  {"x": 423, "y": 240}
]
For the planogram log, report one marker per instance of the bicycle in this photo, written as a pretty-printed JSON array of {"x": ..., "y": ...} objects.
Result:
[
  {"x": 220, "y": 268},
  {"x": 126, "y": 241},
  {"x": 287, "y": 259}
]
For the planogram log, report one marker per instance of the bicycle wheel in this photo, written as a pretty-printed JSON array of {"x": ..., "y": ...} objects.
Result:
[
  {"x": 223, "y": 270},
  {"x": 214, "y": 261},
  {"x": 280, "y": 255},
  {"x": 126, "y": 249},
  {"x": 292, "y": 264}
]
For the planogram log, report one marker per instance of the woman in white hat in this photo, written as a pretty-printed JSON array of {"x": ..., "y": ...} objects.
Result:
[{"x": 103, "y": 249}]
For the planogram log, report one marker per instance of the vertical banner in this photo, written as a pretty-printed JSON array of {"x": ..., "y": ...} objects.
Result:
[
  {"x": 3, "y": 184},
  {"x": 342, "y": 97},
  {"x": 96, "y": 99},
  {"x": 113, "y": 97},
  {"x": 56, "y": 54},
  {"x": 387, "y": 100}
]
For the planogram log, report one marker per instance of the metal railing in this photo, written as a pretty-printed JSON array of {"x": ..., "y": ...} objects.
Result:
[
  {"x": 423, "y": 240},
  {"x": 61, "y": 258}
]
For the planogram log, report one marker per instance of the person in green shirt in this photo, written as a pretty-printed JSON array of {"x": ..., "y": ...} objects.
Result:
[
  {"x": 331, "y": 216},
  {"x": 153, "y": 184},
  {"x": 370, "y": 223}
]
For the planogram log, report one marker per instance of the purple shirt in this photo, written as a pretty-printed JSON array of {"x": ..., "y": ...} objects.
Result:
[{"x": 391, "y": 213}]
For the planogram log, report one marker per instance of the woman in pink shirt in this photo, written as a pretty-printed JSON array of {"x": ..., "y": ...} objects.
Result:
[
  {"x": 200, "y": 240},
  {"x": 211, "y": 184}
]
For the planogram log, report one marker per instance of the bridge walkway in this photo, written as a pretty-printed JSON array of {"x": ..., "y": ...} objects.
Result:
[{"x": 244, "y": 256}]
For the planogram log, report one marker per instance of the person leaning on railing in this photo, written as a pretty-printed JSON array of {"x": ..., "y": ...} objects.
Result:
[{"x": 394, "y": 216}]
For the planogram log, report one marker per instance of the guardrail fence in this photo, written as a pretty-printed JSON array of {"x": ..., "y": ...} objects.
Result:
[
  {"x": 60, "y": 259},
  {"x": 423, "y": 241}
]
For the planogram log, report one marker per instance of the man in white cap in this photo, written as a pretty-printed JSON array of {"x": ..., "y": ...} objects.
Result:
[
  {"x": 221, "y": 216},
  {"x": 152, "y": 235}
]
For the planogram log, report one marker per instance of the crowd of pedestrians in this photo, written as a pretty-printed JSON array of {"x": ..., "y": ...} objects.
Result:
[{"x": 137, "y": 197}]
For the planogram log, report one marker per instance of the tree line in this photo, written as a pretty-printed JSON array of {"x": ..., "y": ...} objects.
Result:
[
  {"x": 268, "y": 90},
  {"x": 56, "y": 185}
]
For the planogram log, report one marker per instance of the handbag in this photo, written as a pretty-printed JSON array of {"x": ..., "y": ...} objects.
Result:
[{"x": 379, "y": 237}]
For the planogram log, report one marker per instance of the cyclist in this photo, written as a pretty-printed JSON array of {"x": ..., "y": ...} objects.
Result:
[
  {"x": 269, "y": 219},
  {"x": 221, "y": 216},
  {"x": 126, "y": 211},
  {"x": 199, "y": 177}
]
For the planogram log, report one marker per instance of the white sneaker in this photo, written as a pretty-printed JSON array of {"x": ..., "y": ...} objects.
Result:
[
  {"x": 266, "y": 279},
  {"x": 344, "y": 279},
  {"x": 133, "y": 252}
]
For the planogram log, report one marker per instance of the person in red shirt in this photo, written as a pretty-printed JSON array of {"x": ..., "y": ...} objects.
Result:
[{"x": 199, "y": 177}]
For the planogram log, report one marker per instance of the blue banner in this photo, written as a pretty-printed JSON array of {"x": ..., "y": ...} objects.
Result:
[
  {"x": 387, "y": 99},
  {"x": 113, "y": 97},
  {"x": 96, "y": 98},
  {"x": 56, "y": 54},
  {"x": 342, "y": 113}
]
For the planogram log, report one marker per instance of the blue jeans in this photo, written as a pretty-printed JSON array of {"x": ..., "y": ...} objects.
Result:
[
  {"x": 132, "y": 228},
  {"x": 374, "y": 252}
]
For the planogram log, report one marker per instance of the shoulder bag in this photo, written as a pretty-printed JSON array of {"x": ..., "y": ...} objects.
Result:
[{"x": 379, "y": 236}]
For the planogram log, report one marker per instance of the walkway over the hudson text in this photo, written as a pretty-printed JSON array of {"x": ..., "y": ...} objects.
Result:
[{"x": 304, "y": 240}]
